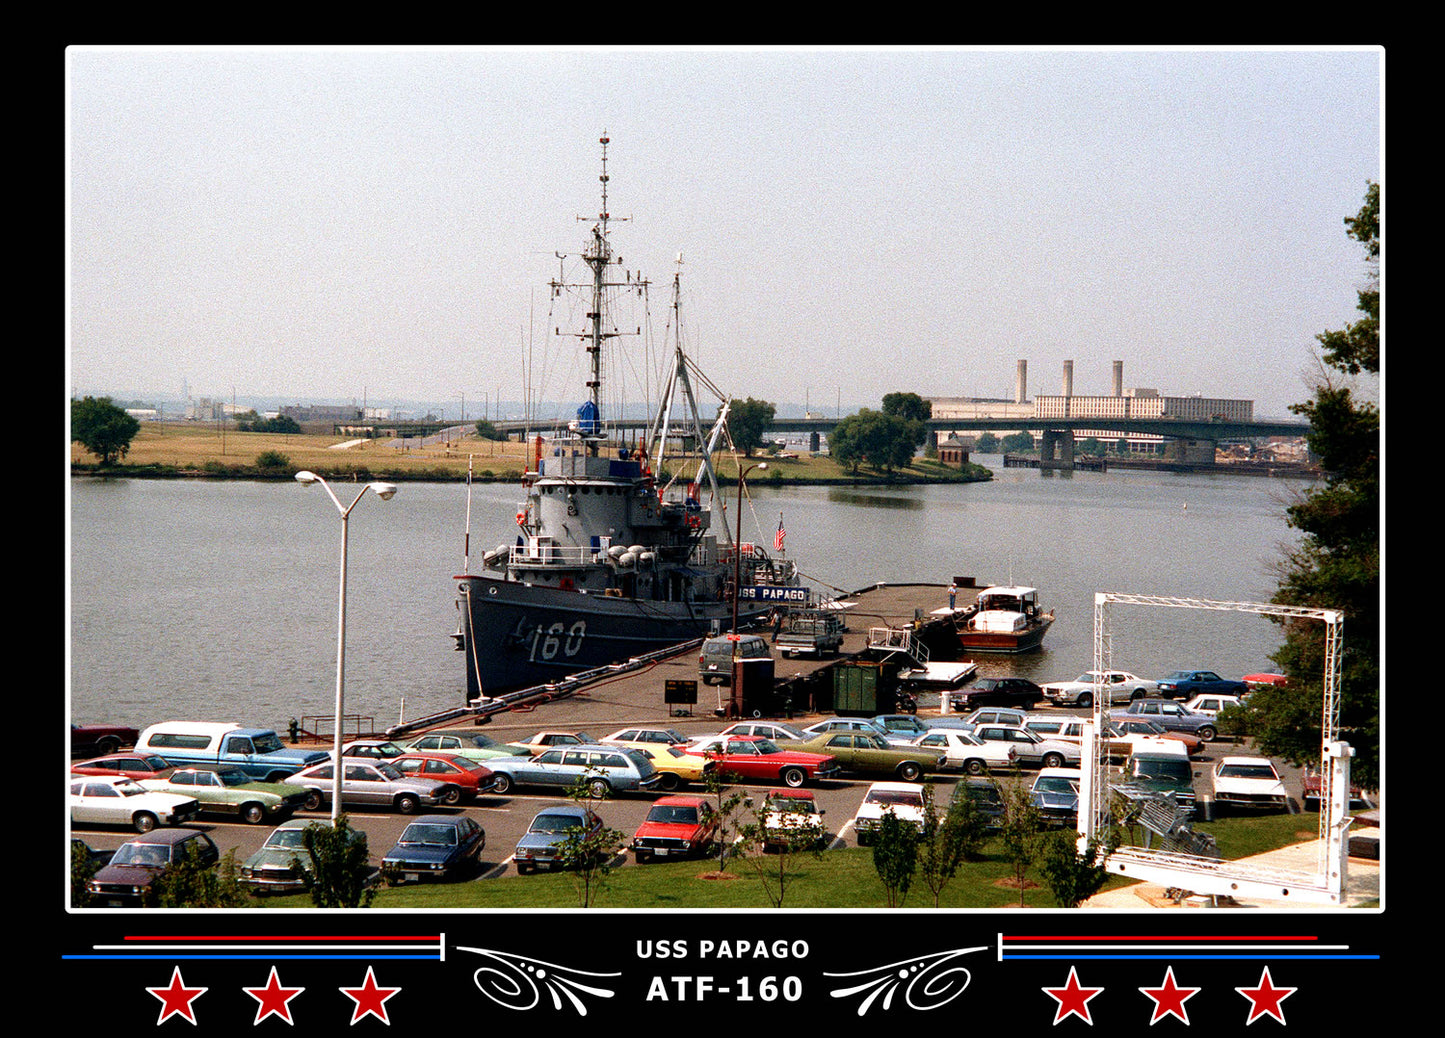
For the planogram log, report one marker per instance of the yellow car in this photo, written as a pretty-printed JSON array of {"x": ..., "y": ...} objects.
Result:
[{"x": 676, "y": 766}]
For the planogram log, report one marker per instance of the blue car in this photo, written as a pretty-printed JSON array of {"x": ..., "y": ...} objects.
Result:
[
  {"x": 541, "y": 845},
  {"x": 434, "y": 847},
  {"x": 1183, "y": 684}
]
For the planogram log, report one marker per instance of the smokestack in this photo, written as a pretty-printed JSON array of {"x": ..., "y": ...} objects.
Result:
[
  {"x": 1021, "y": 383},
  {"x": 1068, "y": 378},
  {"x": 1118, "y": 378}
]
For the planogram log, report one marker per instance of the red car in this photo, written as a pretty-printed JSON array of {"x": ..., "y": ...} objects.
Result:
[
  {"x": 680, "y": 826},
  {"x": 470, "y": 778},
  {"x": 137, "y": 765},
  {"x": 758, "y": 759},
  {"x": 101, "y": 738}
]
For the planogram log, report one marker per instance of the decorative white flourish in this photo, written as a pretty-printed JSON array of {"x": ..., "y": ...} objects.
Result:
[
  {"x": 516, "y": 982},
  {"x": 927, "y": 981}
]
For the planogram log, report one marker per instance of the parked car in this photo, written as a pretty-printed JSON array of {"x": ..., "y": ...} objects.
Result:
[
  {"x": 852, "y": 724},
  {"x": 1032, "y": 750},
  {"x": 1313, "y": 785},
  {"x": 257, "y": 751},
  {"x": 666, "y": 736},
  {"x": 1182, "y": 684},
  {"x": 963, "y": 751},
  {"x": 904, "y": 799},
  {"x": 986, "y": 799},
  {"x": 1055, "y": 793},
  {"x": 749, "y": 758},
  {"x": 135, "y": 765},
  {"x": 774, "y": 730},
  {"x": 118, "y": 800},
  {"x": 1264, "y": 679},
  {"x": 280, "y": 865},
  {"x": 129, "y": 878},
  {"x": 907, "y": 725},
  {"x": 1019, "y": 693},
  {"x": 1158, "y": 767},
  {"x": 1212, "y": 703},
  {"x": 541, "y": 846},
  {"x": 1249, "y": 782},
  {"x": 467, "y": 744},
  {"x": 995, "y": 715},
  {"x": 715, "y": 661},
  {"x": 1176, "y": 717},
  {"x": 549, "y": 738},
  {"x": 865, "y": 752},
  {"x": 604, "y": 769},
  {"x": 101, "y": 738},
  {"x": 1120, "y": 685},
  {"x": 371, "y": 783},
  {"x": 1118, "y": 736},
  {"x": 372, "y": 749},
  {"x": 434, "y": 847},
  {"x": 231, "y": 792},
  {"x": 471, "y": 778},
  {"x": 676, "y": 765},
  {"x": 1136, "y": 728},
  {"x": 676, "y": 826},
  {"x": 792, "y": 819}
]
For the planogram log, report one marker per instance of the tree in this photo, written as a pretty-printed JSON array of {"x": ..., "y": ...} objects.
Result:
[
  {"x": 190, "y": 883},
  {"x": 1336, "y": 564},
  {"x": 747, "y": 421},
  {"x": 588, "y": 854},
  {"x": 102, "y": 428},
  {"x": 948, "y": 839},
  {"x": 487, "y": 431},
  {"x": 1022, "y": 831},
  {"x": 884, "y": 441},
  {"x": 986, "y": 444},
  {"x": 909, "y": 406},
  {"x": 1073, "y": 876},
  {"x": 895, "y": 856},
  {"x": 339, "y": 876},
  {"x": 727, "y": 801},
  {"x": 787, "y": 843}
]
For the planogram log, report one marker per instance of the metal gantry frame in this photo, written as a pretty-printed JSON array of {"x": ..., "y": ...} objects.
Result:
[{"x": 1208, "y": 875}]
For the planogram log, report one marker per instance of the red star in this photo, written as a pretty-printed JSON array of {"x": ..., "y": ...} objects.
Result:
[
  {"x": 1169, "y": 998},
  {"x": 1072, "y": 999},
  {"x": 273, "y": 998},
  {"x": 176, "y": 998},
  {"x": 369, "y": 998},
  {"x": 1265, "y": 999}
]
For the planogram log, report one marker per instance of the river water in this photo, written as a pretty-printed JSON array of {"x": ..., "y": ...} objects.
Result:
[{"x": 218, "y": 600}]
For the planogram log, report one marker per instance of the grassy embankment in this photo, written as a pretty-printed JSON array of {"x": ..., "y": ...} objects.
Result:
[
  {"x": 837, "y": 879},
  {"x": 198, "y": 450}
]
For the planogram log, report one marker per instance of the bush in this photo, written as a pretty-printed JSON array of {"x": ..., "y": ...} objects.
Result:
[{"x": 270, "y": 461}]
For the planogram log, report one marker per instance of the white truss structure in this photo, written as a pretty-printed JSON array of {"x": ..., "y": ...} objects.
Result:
[{"x": 1326, "y": 885}]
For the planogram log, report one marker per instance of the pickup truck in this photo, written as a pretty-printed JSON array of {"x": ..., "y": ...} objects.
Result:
[
  {"x": 810, "y": 633},
  {"x": 259, "y": 752}
]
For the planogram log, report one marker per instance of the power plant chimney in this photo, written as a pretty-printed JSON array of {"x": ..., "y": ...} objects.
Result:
[
  {"x": 1068, "y": 378},
  {"x": 1118, "y": 378},
  {"x": 1021, "y": 383}
]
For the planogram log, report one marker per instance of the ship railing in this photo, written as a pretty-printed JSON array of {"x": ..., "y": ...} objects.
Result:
[
  {"x": 900, "y": 640},
  {"x": 567, "y": 555}
]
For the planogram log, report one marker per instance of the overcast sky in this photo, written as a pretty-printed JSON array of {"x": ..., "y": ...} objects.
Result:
[{"x": 380, "y": 225}]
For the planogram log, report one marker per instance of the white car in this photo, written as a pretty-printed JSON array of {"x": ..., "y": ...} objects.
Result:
[
  {"x": 664, "y": 736},
  {"x": 1249, "y": 782},
  {"x": 1120, "y": 685},
  {"x": 1211, "y": 703},
  {"x": 1033, "y": 750},
  {"x": 904, "y": 799},
  {"x": 119, "y": 800},
  {"x": 964, "y": 752},
  {"x": 774, "y": 730},
  {"x": 792, "y": 818}
]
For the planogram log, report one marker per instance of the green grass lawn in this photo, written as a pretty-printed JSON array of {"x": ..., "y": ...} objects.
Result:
[{"x": 838, "y": 879}]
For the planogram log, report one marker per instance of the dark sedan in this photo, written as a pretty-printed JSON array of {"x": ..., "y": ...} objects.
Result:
[
  {"x": 1020, "y": 693},
  {"x": 1185, "y": 683},
  {"x": 434, "y": 847}
]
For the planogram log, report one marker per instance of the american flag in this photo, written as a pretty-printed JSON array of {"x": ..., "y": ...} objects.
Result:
[{"x": 778, "y": 537}]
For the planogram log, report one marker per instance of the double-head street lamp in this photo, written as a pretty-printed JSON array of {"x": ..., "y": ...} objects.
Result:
[
  {"x": 737, "y": 570},
  {"x": 385, "y": 491}
]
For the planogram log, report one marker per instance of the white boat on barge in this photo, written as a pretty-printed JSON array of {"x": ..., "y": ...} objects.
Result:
[{"x": 1006, "y": 619}]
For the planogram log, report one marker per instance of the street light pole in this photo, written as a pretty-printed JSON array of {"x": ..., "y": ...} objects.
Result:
[
  {"x": 385, "y": 491},
  {"x": 737, "y": 569}
]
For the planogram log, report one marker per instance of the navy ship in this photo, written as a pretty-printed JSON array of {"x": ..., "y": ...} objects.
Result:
[{"x": 616, "y": 553}]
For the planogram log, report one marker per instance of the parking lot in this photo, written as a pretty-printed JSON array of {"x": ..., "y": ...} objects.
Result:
[{"x": 505, "y": 818}]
